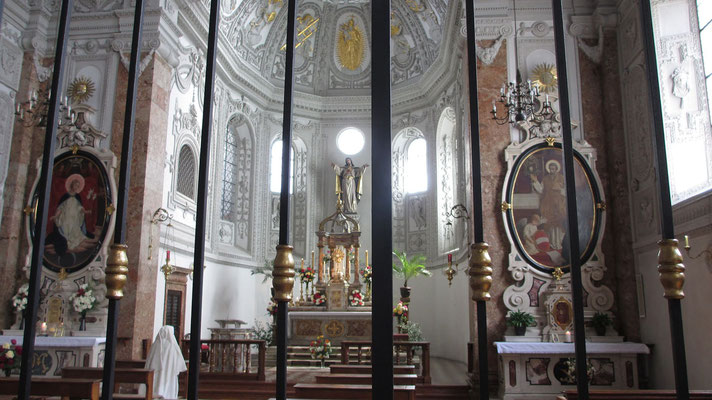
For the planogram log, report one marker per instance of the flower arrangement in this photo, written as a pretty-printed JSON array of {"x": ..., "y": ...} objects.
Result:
[
  {"x": 319, "y": 298},
  {"x": 320, "y": 348},
  {"x": 307, "y": 274},
  {"x": 400, "y": 311},
  {"x": 327, "y": 256},
  {"x": 19, "y": 300},
  {"x": 83, "y": 299},
  {"x": 367, "y": 273},
  {"x": 356, "y": 298},
  {"x": 272, "y": 308},
  {"x": 10, "y": 356}
]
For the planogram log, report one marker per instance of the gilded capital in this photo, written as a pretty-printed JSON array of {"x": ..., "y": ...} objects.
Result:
[
  {"x": 283, "y": 274},
  {"x": 480, "y": 271},
  {"x": 117, "y": 269},
  {"x": 671, "y": 269}
]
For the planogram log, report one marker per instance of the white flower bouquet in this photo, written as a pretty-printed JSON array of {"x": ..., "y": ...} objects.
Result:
[
  {"x": 83, "y": 299},
  {"x": 19, "y": 300}
]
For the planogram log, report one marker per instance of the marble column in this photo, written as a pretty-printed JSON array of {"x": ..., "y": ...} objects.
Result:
[{"x": 149, "y": 149}]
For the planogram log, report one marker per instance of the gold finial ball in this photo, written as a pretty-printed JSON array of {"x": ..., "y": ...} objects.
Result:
[
  {"x": 117, "y": 269},
  {"x": 283, "y": 274}
]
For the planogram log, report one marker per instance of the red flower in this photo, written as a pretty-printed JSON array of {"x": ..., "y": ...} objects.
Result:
[{"x": 13, "y": 341}]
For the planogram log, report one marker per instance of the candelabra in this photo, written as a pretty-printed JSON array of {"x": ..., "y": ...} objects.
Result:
[{"x": 33, "y": 112}]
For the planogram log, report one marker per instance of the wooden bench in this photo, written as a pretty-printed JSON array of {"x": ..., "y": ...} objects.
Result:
[
  {"x": 366, "y": 369},
  {"x": 364, "y": 379},
  {"x": 65, "y": 388},
  {"x": 337, "y": 391},
  {"x": 130, "y": 364},
  {"x": 571, "y": 394},
  {"x": 121, "y": 375}
]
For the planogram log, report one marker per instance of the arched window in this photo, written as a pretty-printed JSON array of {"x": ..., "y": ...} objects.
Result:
[
  {"x": 275, "y": 168},
  {"x": 237, "y": 171},
  {"x": 416, "y": 168},
  {"x": 185, "y": 183}
]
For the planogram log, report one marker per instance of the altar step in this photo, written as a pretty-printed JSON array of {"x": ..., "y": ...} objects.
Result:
[
  {"x": 300, "y": 356},
  {"x": 226, "y": 386},
  {"x": 348, "y": 391}
]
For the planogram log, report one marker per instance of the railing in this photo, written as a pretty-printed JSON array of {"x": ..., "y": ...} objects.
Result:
[
  {"x": 403, "y": 353},
  {"x": 232, "y": 356}
]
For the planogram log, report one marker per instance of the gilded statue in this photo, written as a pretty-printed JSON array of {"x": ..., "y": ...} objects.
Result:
[{"x": 350, "y": 45}]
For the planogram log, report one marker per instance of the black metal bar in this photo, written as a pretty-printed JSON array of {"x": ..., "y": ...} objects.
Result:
[
  {"x": 666, "y": 218},
  {"x": 202, "y": 204},
  {"x": 476, "y": 191},
  {"x": 282, "y": 306},
  {"x": 122, "y": 201},
  {"x": 45, "y": 184},
  {"x": 571, "y": 211},
  {"x": 381, "y": 212}
]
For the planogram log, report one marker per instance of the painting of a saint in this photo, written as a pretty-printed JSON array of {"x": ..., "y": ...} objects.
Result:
[
  {"x": 77, "y": 221},
  {"x": 538, "y": 216}
]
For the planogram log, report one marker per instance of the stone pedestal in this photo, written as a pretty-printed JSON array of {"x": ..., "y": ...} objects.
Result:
[{"x": 337, "y": 295}]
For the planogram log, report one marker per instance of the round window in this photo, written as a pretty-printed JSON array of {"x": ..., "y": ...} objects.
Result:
[{"x": 350, "y": 141}]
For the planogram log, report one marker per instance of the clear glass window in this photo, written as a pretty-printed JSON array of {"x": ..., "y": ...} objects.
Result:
[{"x": 416, "y": 168}]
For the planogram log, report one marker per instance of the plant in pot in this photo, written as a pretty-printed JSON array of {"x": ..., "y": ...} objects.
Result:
[
  {"x": 520, "y": 320},
  {"x": 600, "y": 322},
  {"x": 409, "y": 269}
]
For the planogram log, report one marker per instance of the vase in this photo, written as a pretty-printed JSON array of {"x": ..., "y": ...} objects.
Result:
[
  {"x": 22, "y": 322},
  {"x": 405, "y": 294},
  {"x": 323, "y": 363},
  {"x": 83, "y": 322},
  {"x": 520, "y": 330},
  {"x": 600, "y": 330},
  {"x": 7, "y": 372},
  {"x": 368, "y": 291}
]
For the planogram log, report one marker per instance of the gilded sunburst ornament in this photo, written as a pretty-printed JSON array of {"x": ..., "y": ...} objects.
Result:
[
  {"x": 544, "y": 76},
  {"x": 81, "y": 89}
]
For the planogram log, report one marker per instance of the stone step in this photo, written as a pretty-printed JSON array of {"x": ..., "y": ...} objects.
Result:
[
  {"x": 344, "y": 391},
  {"x": 364, "y": 379}
]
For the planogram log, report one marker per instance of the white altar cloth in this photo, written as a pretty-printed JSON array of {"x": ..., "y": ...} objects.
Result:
[
  {"x": 53, "y": 353},
  {"x": 568, "y": 348},
  {"x": 61, "y": 341}
]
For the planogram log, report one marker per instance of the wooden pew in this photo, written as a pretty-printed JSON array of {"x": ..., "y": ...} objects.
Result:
[
  {"x": 336, "y": 391},
  {"x": 364, "y": 379},
  {"x": 43, "y": 386},
  {"x": 571, "y": 394},
  {"x": 130, "y": 364},
  {"x": 121, "y": 375},
  {"x": 366, "y": 369}
]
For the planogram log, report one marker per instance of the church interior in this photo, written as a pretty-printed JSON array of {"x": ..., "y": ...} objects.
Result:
[{"x": 332, "y": 192}]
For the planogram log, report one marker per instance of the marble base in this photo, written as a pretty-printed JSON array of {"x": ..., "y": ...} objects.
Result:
[
  {"x": 539, "y": 370},
  {"x": 53, "y": 353},
  {"x": 337, "y": 326}
]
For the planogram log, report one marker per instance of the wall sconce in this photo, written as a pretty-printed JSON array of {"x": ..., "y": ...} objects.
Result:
[
  {"x": 450, "y": 272},
  {"x": 457, "y": 211},
  {"x": 707, "y": 252},
  {"x": 159, "y": 216},
  {"x": 191, "y": 271}
]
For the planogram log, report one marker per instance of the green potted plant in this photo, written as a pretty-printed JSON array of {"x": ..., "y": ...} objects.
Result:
[
  {"x": 409, "y": 269},
  {"x": 600, "y": 322},
  {"x": 520, "y": 320}
]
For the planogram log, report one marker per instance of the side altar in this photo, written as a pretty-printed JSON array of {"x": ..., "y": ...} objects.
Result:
[{"x": 336, "y": 307}]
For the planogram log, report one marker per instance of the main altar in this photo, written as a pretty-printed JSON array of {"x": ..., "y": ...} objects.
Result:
[{"x": 334, "y": 305}]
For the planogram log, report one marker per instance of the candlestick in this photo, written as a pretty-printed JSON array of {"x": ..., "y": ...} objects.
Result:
[
  {"x": 312, "y": 263},
  {"x": 367, "y": 258},
  {"x": 449, "y": 258},
  {"x": 168, "y": 255},
  {"x": 568, "y": 337},
  {"x": 302, "y": 264},
  {"x": 687, "y": 242},
  {"x": 43, "y": 327}
]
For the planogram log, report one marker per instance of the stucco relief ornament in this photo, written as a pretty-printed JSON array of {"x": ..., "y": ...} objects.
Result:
[
  {"x": 680, "y": 84},
  {"x": 350, "y": 45},
  {"x": 81, "y": 89}
]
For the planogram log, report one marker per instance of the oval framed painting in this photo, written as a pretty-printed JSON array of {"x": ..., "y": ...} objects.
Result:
[
  {"x": 79, "y": 212},
  {"x": 536, "y": 215}
]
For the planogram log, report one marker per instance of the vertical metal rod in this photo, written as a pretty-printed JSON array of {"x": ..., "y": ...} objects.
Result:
[
  {"x": 122, "y": 200},
  {"x": 201, "y": 207},
  {"x": 381, "y": 208},
  {"x": 666, "y": 218},
  {"x": 572, "y": 215},
  {"x": 45, "y": 184},
  {"x": 282, "y": 306},
  {"x": 476, "y": 191}
]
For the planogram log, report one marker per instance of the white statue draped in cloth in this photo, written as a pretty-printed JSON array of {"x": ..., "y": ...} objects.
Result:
[{"x": 349, "y": 185}]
